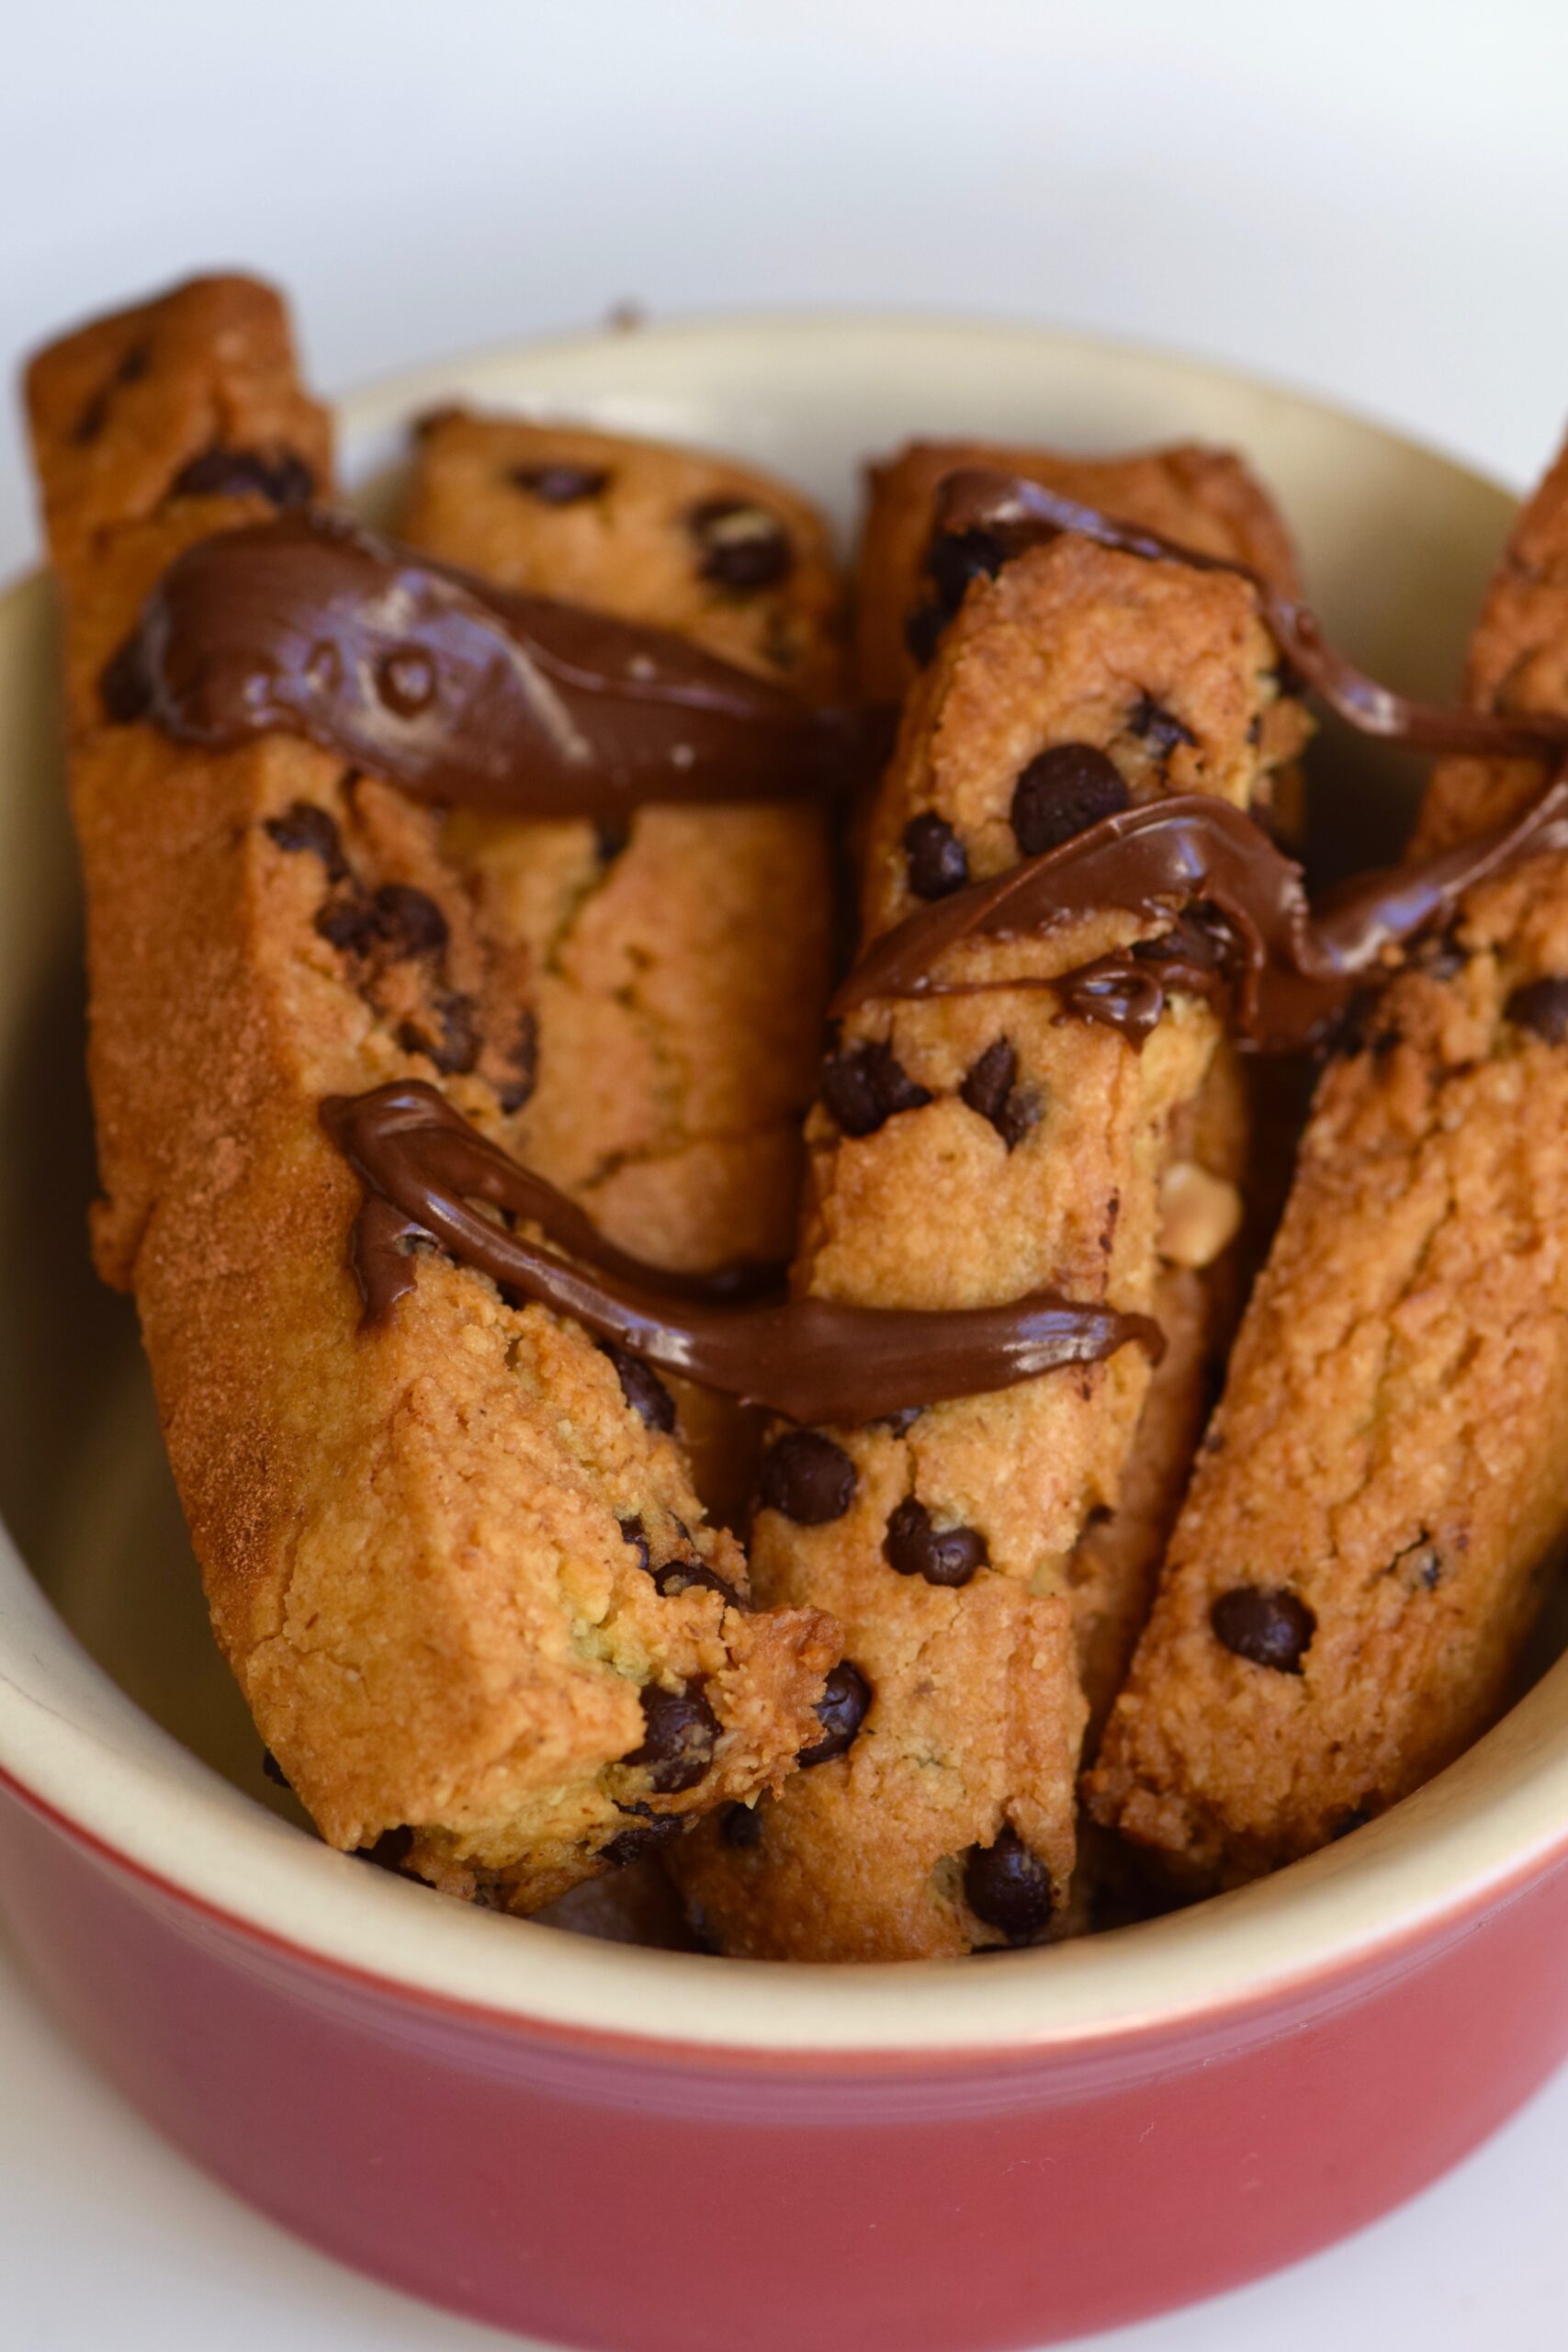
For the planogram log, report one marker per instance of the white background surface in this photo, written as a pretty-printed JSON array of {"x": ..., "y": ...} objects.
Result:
[{"x": 1370, "y": 199}]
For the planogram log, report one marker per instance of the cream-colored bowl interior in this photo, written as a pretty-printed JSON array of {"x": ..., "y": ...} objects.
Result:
[{"x": 114, "y": 1708}]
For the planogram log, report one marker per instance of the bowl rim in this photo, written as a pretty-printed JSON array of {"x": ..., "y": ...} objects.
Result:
[{"x": 79, "y": 1754}]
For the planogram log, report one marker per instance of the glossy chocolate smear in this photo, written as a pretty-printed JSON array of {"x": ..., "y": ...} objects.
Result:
[
  {"x": 460, "y": 692},
  {"x": 1293, "y": 967},
  {"x": 811, "y": 1359},
  {"x": 1017, "y": 514}
]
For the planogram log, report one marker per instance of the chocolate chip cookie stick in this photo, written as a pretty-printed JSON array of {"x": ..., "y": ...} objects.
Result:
[
  {"x": 1385, "y": 1483},
  {"x": 679, "y": 963},
  {"x": 908, "y": 586},
  {"x": 456, "y": 1563},
  {"x": 967, "y": 1147}
]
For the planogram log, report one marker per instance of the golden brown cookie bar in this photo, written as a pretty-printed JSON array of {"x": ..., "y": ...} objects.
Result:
[
  {"x": 455, "y": 1562},
  {"x": 971, "y": 1149},
  {"x": 1385, "y": 1481},
  {"x": 680, "y": 969},
  {"x": 1205, "y": 498}
]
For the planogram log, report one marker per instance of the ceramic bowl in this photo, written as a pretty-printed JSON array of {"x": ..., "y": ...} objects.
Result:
[{"x": 662, "y": 2152}]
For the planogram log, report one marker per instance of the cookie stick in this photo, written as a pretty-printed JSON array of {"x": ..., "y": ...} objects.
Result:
[
  {"x": 965, "y": 1148},
  {"x": 1363, "y": 1550},
  {"x": 680, "y": 968},
  {"x": 427, "y": 1550},
  {"x": 1205, "y": 499},
  {"x": 679, "y": 972}
]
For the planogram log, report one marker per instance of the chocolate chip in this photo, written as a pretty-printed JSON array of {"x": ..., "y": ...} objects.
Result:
[
  {"x": 1541, "y": 1007},
  {"x": 742, "y": 546},
  {"x": 923, "y": 632},
  {"x": 611, "y": 835},
  {"x": 93, "y": 417},
  {"x": 408, "y": 922},
  {"x": 454, "y": 1048},
  {"x": 634, "y": 1534},
  {"x": 937, "y": 860},
  {"x": 691, "y": 1576},
  {"x": 840, "y": 1710},
  {"x": 1061, "y": 793},
  {"x": 990, "y": 1089},
  {"x": 524, "y": 1055},
  {"x": 740, "y": 1826},
  {"x": 807, "y": 1479},
  {"x": 1267, "y": 1626},
  {"x": 560, "y": 484},
  {"x": 348, "y": 923},
  {"x": 866, "y": 1086},
  {"x": 904, "y": 1419},
  {"x": 956, "y": 558},
  {"x": 631, "y": 1845},
  {"x": 124, "y": 687},
  {"x": 643, "y": 1389},
  {"x": 947, "y": 1555},
  {"x": 273, "y": 1770},
  {"x": 303, "y": 826},
  {"x": 285, "y": 479},
  {"x": 390, "y": 1850},
  {"x": 989, "y": 1082},
  {"x": 680, "y": 1730},
  {"x": 1008, "y": 1888},
  {"x": 406, "y": 681},
  {"x": 1159, "y": 728}
]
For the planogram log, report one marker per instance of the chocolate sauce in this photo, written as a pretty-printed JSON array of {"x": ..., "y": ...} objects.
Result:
[
  {"x": 813, "y": 1360},
  {"x": 1019, "y": 514},
  {"x": 460, "y": 692},
  {"x": 1292, "y": 968}
]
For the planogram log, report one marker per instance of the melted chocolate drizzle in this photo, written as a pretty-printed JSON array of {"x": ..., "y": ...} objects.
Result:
[
  {"x": 461, "y": 692},
  {"x": 1018, "y": 513},
  {"x": 814, "y": 1360},
  {"x": 1293, "y": 967}
]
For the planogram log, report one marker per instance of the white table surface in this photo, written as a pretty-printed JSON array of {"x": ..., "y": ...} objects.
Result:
[{"x": 1367, "y": 196}]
